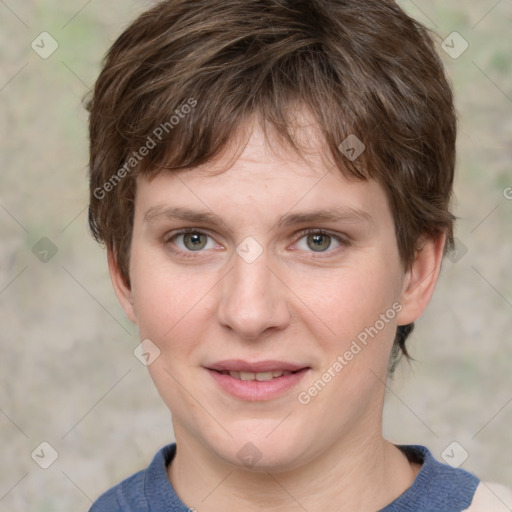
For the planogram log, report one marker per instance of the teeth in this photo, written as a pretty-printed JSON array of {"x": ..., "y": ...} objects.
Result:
[
  {"x": 259, "y": 376},
  {"x": 263, "y": 376}
]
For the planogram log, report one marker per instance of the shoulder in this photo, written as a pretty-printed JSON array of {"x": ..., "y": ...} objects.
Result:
[
  {"x": 440, "y": 486},
  {"x": 114, "y": 500},
  {"x": 491, "y": 497},
  {"x": 437, "y": 486},
  {"x": 135, "y": 492}
]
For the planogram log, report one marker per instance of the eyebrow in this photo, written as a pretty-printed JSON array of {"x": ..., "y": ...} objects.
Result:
[{"x": 333, "y": 214}]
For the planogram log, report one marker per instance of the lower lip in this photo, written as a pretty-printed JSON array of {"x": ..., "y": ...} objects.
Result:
[{"x": 257, "y": 390}]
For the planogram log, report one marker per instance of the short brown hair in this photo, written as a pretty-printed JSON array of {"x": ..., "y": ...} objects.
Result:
[{"x": 361, "y": 68}]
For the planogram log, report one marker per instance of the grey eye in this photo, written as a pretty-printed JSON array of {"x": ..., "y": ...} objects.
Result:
[
  {"x": 193, "y": 242},
  {"x": 319, "y": 242}
]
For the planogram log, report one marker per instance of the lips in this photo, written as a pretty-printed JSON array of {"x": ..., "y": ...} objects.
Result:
[{"x": 260, "y": 380}]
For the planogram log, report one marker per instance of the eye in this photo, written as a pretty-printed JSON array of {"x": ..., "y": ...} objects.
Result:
[
  {"x": 192, "y": 240},
  {"x": 320, "y": 241}
]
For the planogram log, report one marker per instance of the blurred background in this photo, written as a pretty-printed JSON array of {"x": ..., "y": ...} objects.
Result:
[{"x": 69, "y": 378}]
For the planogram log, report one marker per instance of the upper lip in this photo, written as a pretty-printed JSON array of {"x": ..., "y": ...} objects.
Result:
[{"x": 239, "y": 365}]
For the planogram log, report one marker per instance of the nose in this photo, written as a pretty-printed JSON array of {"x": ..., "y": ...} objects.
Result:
[{"x": 253, "y": 298}]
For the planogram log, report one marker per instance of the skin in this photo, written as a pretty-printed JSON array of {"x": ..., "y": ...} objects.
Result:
[{"x": 296, "y": 302}]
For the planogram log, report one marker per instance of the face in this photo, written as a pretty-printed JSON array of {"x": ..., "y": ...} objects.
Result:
[{"x": 275, "y": 312}]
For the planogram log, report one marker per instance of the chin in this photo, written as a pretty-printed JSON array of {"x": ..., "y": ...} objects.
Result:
[{"x": 275, "y": 453}]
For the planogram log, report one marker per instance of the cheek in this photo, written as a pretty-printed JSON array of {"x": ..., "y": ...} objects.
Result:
[
  {"x": 174, "y": 310},
  {"x": 163, "y": 298},
  {"x": 360, "y": 310},
  {"x": 351, "y": 301}
]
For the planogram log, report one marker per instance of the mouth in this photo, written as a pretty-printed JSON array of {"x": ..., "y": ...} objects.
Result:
[{"x": 258, "y": 381}]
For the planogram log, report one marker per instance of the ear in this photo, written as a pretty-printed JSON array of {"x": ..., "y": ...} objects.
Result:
[
  {"x": 421, "y": 279},
  {"x": 121, "y": 289}
]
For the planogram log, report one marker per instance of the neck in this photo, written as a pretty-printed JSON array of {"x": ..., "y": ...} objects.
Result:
[{"x": 356, "y": 474}]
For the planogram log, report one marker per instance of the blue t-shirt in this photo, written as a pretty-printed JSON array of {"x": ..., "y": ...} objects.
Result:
[{"x": 437, "y": 488}]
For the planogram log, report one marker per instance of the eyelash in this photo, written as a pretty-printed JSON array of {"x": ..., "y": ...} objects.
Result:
[{"x": 193, "y": 254}]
